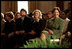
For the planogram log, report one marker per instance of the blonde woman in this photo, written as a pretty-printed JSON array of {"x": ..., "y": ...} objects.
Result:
[
  {"x": 2, "y": 22},
  {"x": 9, "y": 24},
  {"x": 37, "y": 25},
  {"x": 2, "y": 34}
]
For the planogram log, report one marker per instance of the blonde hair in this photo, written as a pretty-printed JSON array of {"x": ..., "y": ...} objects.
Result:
[
  {"x": 11, "y": 14},
  {"x": 2, "y": 15},
  {"x": 40, "y": 13}
]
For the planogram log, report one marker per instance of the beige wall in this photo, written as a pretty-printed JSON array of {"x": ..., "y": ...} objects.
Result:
[
  {"x": 31, "y": 6},
  {"x": 44, "y": 6},
  {"x": 3, "y": 6},
  {"x": 8, "y": 6},
  {"x": 65, "y": 4}
]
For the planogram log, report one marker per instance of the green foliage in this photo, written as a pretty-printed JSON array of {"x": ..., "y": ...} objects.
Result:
[{"x": 45, "y": 43}]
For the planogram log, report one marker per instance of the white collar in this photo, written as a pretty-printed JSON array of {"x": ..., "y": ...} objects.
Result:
[{"x": 36, "y": 20}]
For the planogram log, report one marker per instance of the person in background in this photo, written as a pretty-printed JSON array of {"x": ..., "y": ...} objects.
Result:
[
  {"x": 2, "y": 22},
  {"x": 26, "y": 23},
  {"x": 69, "y": 31},
  {"x": 48, "y": 18},
  {"x": 5, "y": 17},
  {"x": 18, "y": 21},
  {"x": 23, "y": 14},
  {"x": 49, "y": 15},
  {"x": 19, "y": 30},
  {"x": 26, "y": 20},
  {"x": 66, "y": 21},
  {"x": 9, "y": 29},
  {"x": 9, "y": 24},
  {"x": 30, "y": 14},
  {"x": 37, "y": 25},
  {"x": 55, "y": 25},
  {"x": 2, "y": 34}
]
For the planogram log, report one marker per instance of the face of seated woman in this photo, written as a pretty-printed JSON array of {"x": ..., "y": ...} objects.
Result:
[
  {"x": 18, "y": 16},
  {"x": 49, "y": 15},
  {"x": 56, "y": 14},
  {"x": 8, "y": 18},
  {"x": 36, "y": 15},
  {"x": 63, "y": 16},
  {"x": 5, "y": 18}
]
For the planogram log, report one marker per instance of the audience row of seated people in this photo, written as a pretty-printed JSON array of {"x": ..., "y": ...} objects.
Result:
[{"x": 16, "y": 29}]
